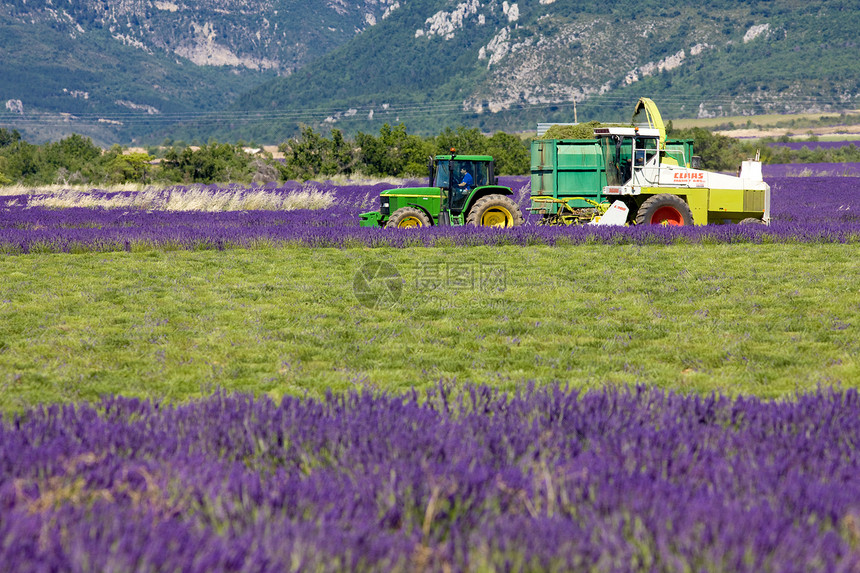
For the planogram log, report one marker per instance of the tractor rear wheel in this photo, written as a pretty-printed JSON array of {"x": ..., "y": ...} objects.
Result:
[
  {"x": 495, "y": 211},
  {"x": 407, "y": 218},
  {"x": 664, "y": 209}
]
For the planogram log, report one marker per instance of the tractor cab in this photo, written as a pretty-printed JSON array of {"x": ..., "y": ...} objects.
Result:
[{"x": 445, "y": 173}]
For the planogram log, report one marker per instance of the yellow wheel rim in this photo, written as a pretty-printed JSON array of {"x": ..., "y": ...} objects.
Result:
[
  {"x": 497, "y": 217},
  {"x": 409, "y": 222}
]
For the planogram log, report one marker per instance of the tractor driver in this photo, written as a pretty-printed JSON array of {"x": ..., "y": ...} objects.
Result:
[{"x": 466, "y": 181}]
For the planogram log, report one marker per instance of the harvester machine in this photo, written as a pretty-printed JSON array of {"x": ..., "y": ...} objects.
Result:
[{"x": 636, "y": 169}]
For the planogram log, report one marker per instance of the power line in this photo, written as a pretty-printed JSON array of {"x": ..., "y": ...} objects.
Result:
[{"x": 408, "y": 110}]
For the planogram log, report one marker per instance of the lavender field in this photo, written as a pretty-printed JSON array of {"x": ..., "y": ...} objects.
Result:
[
  {"x": 270, "y": 433},
  {"x": 472, "y": 479},
  {"x": 804, "y": 209}
]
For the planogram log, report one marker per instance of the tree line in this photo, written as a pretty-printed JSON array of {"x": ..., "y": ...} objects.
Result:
[
  {"x": 313, "y": 155},
  {"x": 310, "y": 155}
]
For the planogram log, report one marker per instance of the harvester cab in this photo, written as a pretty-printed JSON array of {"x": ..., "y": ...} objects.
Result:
[
  {"x": 628, "y": 152},
  {"x": 462, "y": 190}
]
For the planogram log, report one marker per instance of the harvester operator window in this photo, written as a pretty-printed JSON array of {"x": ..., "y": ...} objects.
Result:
[
  {"x": 646, "y": 149},
  {"x": 618, "y": 155}
]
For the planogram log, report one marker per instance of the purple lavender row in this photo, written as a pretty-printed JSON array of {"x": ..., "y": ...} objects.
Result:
[
  {"x": 545, "y": 479},
  {"x": 778, "y": 170},
  {"x": 791, "y": 197},
  {"x": 808, "y": 209},
  {"x": 797, "y": 145},
  {"x": 221, "y": 235}
]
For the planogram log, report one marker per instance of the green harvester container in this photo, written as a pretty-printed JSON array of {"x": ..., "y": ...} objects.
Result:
[{"x": 565, "y": 168}]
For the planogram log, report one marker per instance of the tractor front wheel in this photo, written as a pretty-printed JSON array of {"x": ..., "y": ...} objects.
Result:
[
  {"x": 751, "y": 221},
  {"x": 408, "y": 218},
  {"x": 664, "y": 209},
  {"x": 495, "y": 211}
]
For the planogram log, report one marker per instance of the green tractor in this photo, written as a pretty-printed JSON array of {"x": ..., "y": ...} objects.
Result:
[{"x": 462, "y": 191}]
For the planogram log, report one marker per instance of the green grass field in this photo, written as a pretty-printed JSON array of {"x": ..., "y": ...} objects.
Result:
[
  {"x": 763, "y": 120},
  {"x": 769, "y": 320}
]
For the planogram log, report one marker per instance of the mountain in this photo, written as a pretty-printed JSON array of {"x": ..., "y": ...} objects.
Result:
[
  {"x": 231, "y": 69},
  {"x": 496, "y": 64},
  {"x": 115, "y": 69}
]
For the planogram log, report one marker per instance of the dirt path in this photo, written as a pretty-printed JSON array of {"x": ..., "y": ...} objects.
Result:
[{"x": 847, "y": 131}]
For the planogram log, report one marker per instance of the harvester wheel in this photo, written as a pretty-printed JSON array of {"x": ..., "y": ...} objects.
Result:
[
  {"x": 407, "y": 218},
  {"x": 751, "y": 221},
  {"x": 495, "y": 211},
  {"x": 664, "y": 209}
]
